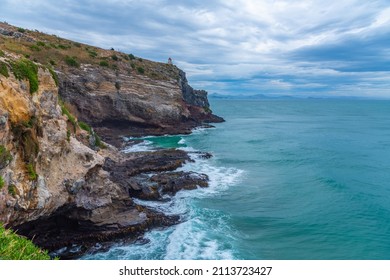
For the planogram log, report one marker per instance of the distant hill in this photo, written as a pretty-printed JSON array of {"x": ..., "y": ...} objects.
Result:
[{"x": 248, "y": 97}]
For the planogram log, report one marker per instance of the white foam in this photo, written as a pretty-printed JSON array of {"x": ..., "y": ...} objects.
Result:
[
  {"x": 182, "y": 141},
  {"x": 220, "y": 178},
  {"x": 199, "y": 130},
  {"x": 191, "y": 240},
  {"x": 176, "y": 206},
  {"x": 144, "y": 146}
]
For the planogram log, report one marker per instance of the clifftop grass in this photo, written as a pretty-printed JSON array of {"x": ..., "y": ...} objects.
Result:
[
  {"x": 15, "y": 247},
  {"x": 62, "y": 53},
  {"x": 26, "y": 69}
]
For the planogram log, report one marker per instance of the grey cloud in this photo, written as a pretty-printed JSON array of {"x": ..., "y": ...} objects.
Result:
[{"x": 236, "y": 46}]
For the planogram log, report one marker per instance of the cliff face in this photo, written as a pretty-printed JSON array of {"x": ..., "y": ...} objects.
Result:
[
  {"x": 45, "y": 167},
  {"x": 125, "y": 103},
  {"x": 58, "y": 182}
]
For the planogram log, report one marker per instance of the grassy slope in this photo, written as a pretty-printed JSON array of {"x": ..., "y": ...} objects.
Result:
[
  {"x": 15, "y": 247},
  {"x": 53, "y": 51}
]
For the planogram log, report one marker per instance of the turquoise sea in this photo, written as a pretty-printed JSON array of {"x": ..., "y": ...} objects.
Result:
[{"x": 290, "y": 179}]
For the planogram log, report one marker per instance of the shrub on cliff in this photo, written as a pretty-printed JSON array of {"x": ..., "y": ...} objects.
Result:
[
  {"x": 26, "y": 69},
  {"x": 31, "y": 172},
  {"x": 15, "y": 247},
  {"x": 92, "y": 53},
  {"x": 2, "y": 183},
  {"x": 63, "y": 47},
  {"x": 5, "y": 157},
  {"x": 35, "y": 48},
  {"x": 12, "y": 190},
  {"x": 71, "y": 61},
  {"x": 103, "y": 63},
  {"x": 140, "y": 70},
  {"x": 4, "y": 69}
]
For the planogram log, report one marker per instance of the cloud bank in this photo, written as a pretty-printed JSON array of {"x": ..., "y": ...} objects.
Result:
[{"x": 305, "y": 48}]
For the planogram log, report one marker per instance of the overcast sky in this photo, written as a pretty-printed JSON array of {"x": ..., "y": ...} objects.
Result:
[{"x": 295, "y": 47}]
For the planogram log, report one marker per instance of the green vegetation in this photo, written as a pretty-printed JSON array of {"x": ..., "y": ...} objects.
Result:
[
  {"x": 131, "y": 56},
  {"x": 5, "y": 157},
  {"x": 35, "y": 48},
  {"x": 66, "y": 112},
  {"x": 31, "y": 172},
  {"x": 60, "y": 46},
  {"x": 52, "y": 62},
  {"x": 15, "y": 247},
  {"x": 72, "y": 61},
  {"x": 85, "y": 127},
  {"x": 41, "y": 44},
  {"x": 31, "y": 122},
  {"x": 77, "y": 44},
  {"x": 98, "y": 141},
  {"x": 140, "y": 70},
  {"x": 114, "y": 57},
  {"x": 68, "y": 133},
  {"x": 2, "y": 53},
  {"x": 53, "y": 45},
  {"x": 54, "y": 76},
  {"x": 21, "y": 30},
  {"x": 12, "y": 190},
  {"x": 207, "y": 109},
  {"x": 26, "y": 69},
  {"x": 4, "y": 69},
  {"x": 92, "y": 53},
  {"x": 2, "y": 183},
  {"x": 103, "y": 63}
]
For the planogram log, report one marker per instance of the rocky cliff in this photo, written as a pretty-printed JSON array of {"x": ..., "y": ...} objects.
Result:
[
  {"x": 122, "y": 102},
  {"x": 58, "y": 182}
]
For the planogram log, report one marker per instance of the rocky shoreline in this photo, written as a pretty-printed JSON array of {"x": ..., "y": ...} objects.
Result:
[{"x": 73, "y": 230}]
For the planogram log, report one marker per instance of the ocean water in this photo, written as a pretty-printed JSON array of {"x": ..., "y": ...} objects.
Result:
[{"x": 290, "y": 179}]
